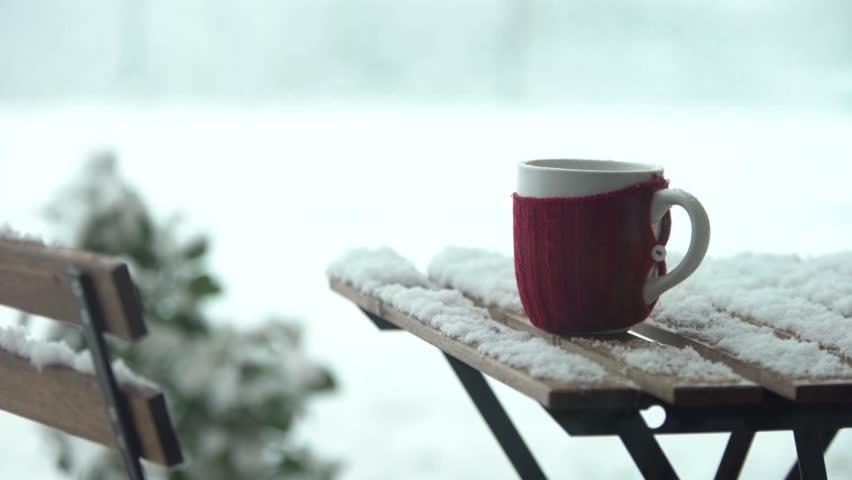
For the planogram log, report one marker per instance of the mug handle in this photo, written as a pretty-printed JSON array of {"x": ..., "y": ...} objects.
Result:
[{"x": 662, "y": 201}]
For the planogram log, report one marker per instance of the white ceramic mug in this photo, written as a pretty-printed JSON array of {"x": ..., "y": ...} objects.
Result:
[{"x": 578, "y": 178}]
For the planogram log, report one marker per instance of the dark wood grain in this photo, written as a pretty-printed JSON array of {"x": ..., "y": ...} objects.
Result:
[{"x": 33, "y": 279}]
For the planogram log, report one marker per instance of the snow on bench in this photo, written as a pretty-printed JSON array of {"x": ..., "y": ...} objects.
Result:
[
  {"x": 43, "y": 354},
  {"x": 9, "y": 233},
  {"x": 51, "y": 384}
]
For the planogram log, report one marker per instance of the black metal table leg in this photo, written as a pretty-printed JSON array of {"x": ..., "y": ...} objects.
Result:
[
  {"x": 813, "y": 430},
  {"x": 793, "y": 474},
  {"x": 810, "y": 443},
  {"x": 378, "y": 321},
  {"x": 637, "y": 438},
  {"x": 644, "y": 449},
  {"x": 498, "y": 421},
  {"x": 735, "y": 454}
]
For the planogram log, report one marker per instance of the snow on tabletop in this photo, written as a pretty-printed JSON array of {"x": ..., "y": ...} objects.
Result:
[
  {"x": 691, "y": 312},
  {"x": 693, "y": 308},
  {"x": 367, "y": 269},
  {"x": 811, "y": 299},
  {"x": 660, "y": 359},
  {"x": 386, "y": 275},
  {"x": 487, "y": 275},
  {"x": 43, "y": 354}
]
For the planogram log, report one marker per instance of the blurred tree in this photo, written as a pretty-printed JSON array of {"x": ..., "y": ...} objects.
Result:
[{"x": 234, "y": 395}]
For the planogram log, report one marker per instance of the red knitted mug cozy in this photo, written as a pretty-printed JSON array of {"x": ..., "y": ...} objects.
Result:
[{"x": 581, "y": 262}]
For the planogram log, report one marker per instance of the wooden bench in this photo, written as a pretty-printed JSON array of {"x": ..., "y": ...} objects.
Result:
[
  {"x": 743, "y": 399},
  {"x": 96, "y": 294}
]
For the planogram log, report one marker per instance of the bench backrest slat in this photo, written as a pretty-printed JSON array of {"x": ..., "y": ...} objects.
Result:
[
  {"x": 33, "y": 279},
  {"x": 63, "y": 398}
]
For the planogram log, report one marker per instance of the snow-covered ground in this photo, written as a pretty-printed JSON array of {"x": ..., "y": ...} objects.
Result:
[{"x": 283, "y": 190}]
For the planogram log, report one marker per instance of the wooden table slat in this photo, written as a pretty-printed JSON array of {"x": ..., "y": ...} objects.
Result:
[
  {"x": 784, "y": 333},
  {"x": 614, "y": 392},
  {"x": 678, "y": 390},
  {"x": 674, "y": 389},
  {"x": 792, "y": 387},
  {"x": 33, "y": 279}
]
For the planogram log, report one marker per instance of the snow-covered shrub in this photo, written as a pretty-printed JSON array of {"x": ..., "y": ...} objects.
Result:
[{"x": 234, "y": 394}]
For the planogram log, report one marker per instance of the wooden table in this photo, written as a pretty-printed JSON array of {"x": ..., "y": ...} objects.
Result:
[{"x": 760, "y": 400}]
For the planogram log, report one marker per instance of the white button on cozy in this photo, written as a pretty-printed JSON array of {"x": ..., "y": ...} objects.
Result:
[{"x": 658, "y": 253}]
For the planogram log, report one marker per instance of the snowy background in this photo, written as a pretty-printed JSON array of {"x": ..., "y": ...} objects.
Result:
[{"x": 292, "y": 131}]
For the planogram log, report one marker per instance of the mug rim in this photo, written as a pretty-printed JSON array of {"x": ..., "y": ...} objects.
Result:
[{"x": 589, "y": 166}]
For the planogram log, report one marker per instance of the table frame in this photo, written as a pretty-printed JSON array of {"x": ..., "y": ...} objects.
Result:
[{"x": 814, "y": 426}]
